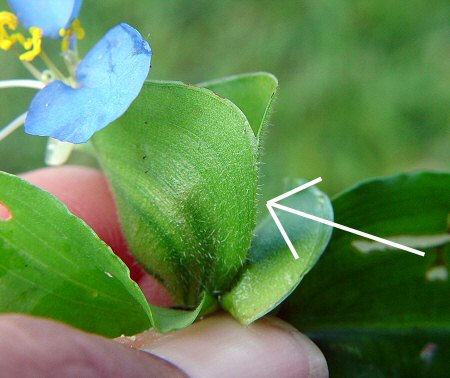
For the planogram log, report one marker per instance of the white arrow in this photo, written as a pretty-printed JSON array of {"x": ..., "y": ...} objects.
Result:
[{"x": 273, "y": 203}]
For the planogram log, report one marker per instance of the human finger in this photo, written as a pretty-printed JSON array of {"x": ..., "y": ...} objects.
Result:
[
  {"x": 34, "y": 347},
  {"x": 219, "y": 346}
]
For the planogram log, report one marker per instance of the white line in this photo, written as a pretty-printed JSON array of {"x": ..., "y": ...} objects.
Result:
[
  {"x": 12, "y": 126},
  {"x": 340, "y": 226},
  {"x": 296, "y": 190},
  {"x": 283, "y": 232}
]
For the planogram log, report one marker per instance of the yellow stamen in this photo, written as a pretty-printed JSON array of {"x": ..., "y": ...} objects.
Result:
[
  {"x": 35, "y": 43},
  {"x": 78, "y": 29},
  {"x": 66, "y": 34},
  {"x": 7, "y": 41},
  {"x": 74, "y": 29},
  {"x": 18, "y": 37},
  {"x": 10, "y": 20}
]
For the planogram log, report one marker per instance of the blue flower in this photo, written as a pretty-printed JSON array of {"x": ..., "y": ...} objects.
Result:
[
  {"x": 50, "y": 16},
  {"x": 108, "y": 79},
  {"x": 97, "y": 91}
]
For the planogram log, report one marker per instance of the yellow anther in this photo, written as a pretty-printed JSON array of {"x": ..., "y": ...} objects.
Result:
[
  {"x": 35, "y": 43},
  {"x": 74, "y": 29},
  {"x": 12, "y": 39},
  {"x": 10, "y": 20},
  {"x": 78, "y": 29},
  {"x": 65, "y": 40},
  {"x": 5, "y": 43}
]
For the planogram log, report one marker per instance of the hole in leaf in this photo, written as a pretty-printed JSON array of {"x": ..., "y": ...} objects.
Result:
[
  {"x": 5, "y": 213},
  {"x": 428, "y": 352},
  {"x": 437, "y": 273},
  {"x": 414, "y": 241}
]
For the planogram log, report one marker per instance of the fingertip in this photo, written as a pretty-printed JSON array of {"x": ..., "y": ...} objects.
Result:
[
  {"x": 219, "y": 346},
  {"x": 316, "y": 362}
]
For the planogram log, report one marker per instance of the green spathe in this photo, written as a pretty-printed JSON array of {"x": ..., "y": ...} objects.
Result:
[
  {"x": 182, "y": 164},
  {"x": 253, "y": 93},
  {"x": 189, "y": 212}
]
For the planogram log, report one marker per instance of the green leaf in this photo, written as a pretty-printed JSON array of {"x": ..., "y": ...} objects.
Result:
[
  {"x": 377, "y": 311},
  {"x": 272, "y": 273},
  {"x": 183, "y": 168},
  {"x": 168, "y": 319},
  {"x": 253, "y": 93},
  {"x": 53, "y": 265}
]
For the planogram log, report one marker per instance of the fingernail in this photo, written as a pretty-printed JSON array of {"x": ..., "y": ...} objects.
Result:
[
  {"x": 318, "y": 367},
  {"x": 219, "y": 346}
]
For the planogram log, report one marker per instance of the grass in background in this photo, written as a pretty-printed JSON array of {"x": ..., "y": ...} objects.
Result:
[{"x": 364, "y": 86}]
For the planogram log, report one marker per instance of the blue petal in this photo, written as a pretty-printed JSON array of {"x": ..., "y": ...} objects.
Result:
[
  {"x": 110, "y": 77},
  {"x": 50, "y": 16}
]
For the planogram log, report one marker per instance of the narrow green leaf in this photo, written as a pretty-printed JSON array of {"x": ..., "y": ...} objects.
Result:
[
  {"x": 272, "y": 273},
  {"x": 253, "y": 93},
  {"x": 379, "y": 311},
  {"x": 167, "y": 319},
  {"x": 53, "y": 265},
  {"x": 183, "y": 168}
]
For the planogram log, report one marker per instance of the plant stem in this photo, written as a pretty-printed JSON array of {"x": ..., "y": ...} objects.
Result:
[
  {"x": 32, "y": 69},
  {"x": 57, "y": 152},
  {"x": 52, "y": 66},
  {"x": 22, "y": 83}
]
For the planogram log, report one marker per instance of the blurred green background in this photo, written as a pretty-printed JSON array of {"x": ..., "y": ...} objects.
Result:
[{"x": 364, "y": 85}]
